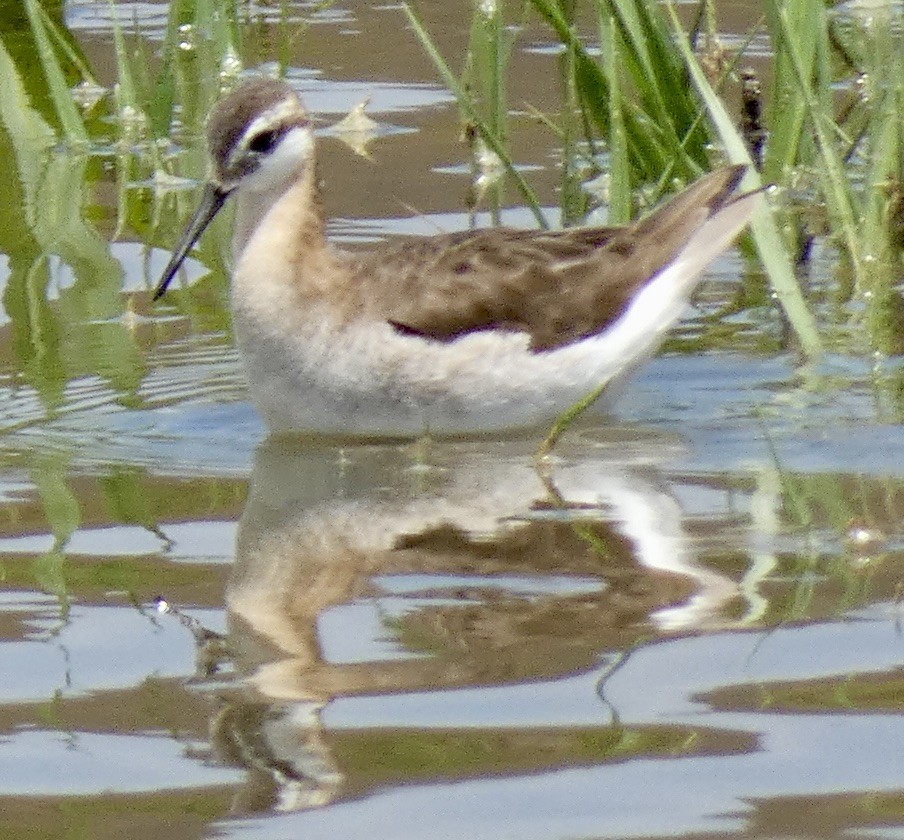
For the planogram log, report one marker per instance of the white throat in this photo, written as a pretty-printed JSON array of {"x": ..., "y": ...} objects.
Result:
[{"x": 258, "y": 191}]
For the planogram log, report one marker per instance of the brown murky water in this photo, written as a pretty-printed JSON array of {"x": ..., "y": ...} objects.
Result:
[{"x": 689, "y": 624}]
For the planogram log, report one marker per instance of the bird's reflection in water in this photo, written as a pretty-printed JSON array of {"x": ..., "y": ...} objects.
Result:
[{"x": 380, "y": 569}]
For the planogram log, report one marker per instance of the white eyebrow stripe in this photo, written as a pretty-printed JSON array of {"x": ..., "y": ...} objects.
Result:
[{"x": 274, "y": 116}]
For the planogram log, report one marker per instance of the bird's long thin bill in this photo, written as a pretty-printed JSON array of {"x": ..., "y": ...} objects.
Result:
[{"x": 211, "y": 201}]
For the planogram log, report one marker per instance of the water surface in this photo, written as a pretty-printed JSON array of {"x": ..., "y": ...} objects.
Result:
[{"x": 687, "y": 624}]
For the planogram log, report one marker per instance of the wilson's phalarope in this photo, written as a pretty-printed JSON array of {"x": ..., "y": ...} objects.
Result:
[{"x": 453, "y": 334}]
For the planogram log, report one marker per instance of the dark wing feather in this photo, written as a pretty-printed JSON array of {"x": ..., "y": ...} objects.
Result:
[{"x": 557, "y": 287}]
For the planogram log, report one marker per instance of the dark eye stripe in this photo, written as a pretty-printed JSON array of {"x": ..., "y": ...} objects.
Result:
[{"x": 264, "y": 142}]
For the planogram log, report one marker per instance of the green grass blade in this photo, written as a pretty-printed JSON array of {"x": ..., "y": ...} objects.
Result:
[
  {"x": 126, "y": 84},
  {"x": 788, "y": 144},
  {"x": 59, "y": 37},
  {"x": 466, "y": 106},
  {"x": 766, "y": 236},
  {"x": 620, "y": 193},
  {"x": 70, "y": 120},
  {"x": 835, "y": 185},
  {"x": 649, "y": 151},
  {"x": 658, "y": 75},
  {"x": 30, "y": 136},
  {"x": 566, "y": 418}
]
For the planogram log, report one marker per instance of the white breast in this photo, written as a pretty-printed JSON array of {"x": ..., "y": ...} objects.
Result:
[{"x": 309, "y": 373}]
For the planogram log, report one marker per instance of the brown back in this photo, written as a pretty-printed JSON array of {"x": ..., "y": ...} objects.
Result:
[{"x": 557, "y": 286}]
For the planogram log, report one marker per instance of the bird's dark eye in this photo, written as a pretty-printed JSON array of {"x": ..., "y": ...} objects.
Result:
[{"x": 263, "y": 142}]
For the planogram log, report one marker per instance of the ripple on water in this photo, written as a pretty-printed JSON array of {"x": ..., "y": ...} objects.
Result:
[{"x": 192, "y": 399}]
